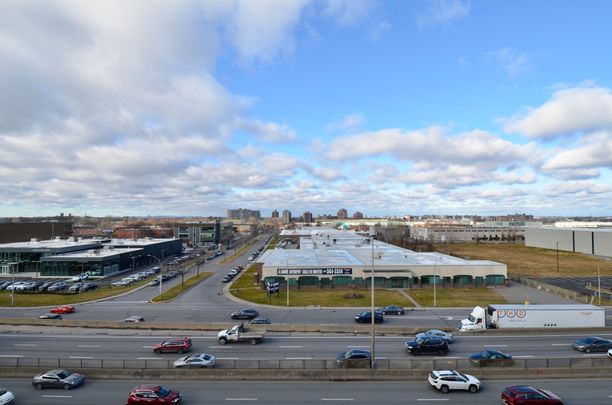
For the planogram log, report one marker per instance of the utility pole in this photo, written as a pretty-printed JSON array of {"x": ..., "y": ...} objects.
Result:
[{"x": 557, "y": 258}]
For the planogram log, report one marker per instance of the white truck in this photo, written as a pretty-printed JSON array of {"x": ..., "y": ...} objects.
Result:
[
  {"x": 534, "y": 316},
  {"x": 240, "y": 334}
]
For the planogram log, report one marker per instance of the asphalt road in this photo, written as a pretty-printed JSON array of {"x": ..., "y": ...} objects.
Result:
[
  {"x": 573, "y": 392},
  {"x": 277, "y": 346}
]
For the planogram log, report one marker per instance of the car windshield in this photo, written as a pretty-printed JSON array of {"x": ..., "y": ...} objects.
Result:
[
  {"x": 162, "y": 392},
  {"x": 420, "y": 340},
  {"x": 2, "y": 391},
  {"x": 485, "y": 355},
  {"x": 64, "y": 374}
]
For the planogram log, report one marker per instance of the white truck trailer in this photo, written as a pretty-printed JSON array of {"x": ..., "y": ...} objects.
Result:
[{"x": 534, "y": 316}]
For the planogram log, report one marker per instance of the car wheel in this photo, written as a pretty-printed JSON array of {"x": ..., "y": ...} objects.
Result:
[
  {"x": 157, "y": 351},
  {"x": 183, "y": 351},
  {"x": 587, "y": 350},
  {"x": 67, "y": 387},
  {"x": 441, "y": 352},
  {"x": 473, "y": 389},
  {"x": 253, "y": 341},
  {"x": 223, "y": 341},
  {"x": 38, "y": 386},
  {"x": 444, "y": 389}
]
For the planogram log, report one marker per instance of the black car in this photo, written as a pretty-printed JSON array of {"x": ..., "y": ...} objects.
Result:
[
  {"x": 227, "y": 278},
  {"x": 355, "y": 358},
  {"x": 247, "y": 313},
  {"x": 428, "y": 345},
  {"x": 57, "y": 379},
  {"x": 592, "y": 344},
  {"x": 366, "y": 317},
  {"x": 392, "y": 310},
  {"x": 50, "y": 315},
  {"x": 491, "y": 358},
  {"x": 260, "y": 321}
]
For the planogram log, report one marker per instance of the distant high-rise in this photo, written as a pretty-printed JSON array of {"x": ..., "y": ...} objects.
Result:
[
  {"x": 342, "y": 214},
  {"x": 308, "y": 216},
  {"x": 243, "y": 214},
  {"x": 275, "y": 214},
  {"x": 286, "y": 216},
  {"x": 357, "y": 215}
]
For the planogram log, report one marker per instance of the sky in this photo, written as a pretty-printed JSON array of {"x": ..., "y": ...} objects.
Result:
[{"x": 405, "y": 107}]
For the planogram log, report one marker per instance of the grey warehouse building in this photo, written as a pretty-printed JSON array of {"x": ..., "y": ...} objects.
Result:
[
  {"x": 590, "y": 241},
  {"x": 337, "y": 258}
]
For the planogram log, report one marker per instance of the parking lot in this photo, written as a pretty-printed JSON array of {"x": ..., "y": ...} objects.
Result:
[{"x": 581, "y": 285}]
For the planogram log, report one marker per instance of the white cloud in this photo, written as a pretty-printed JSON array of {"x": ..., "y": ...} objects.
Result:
[
  {"x": 269, "y": 131},
  {"x": 595, "y": 152},
  {"x": 580, "y": 109},
  {"x": 439, "y": 12},
  {"x": 349, "y": 123},
  {"x": 348, "y": 12},
  {"x": 510, "y": 61}
]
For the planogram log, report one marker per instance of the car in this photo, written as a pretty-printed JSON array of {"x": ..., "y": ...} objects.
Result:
[
  {"x": 80, "y": 277},
  {"x": 88, "y": 286},
  {"x": 260, "y": 321},
  {"x": 6, "y": 397},
  {"x": 50, "y": 316},
  {"x": 592, "y": 344},
  {"x": 246, "y": 313},
  {"x": 392, "y": 310},
  {"x": 491, "y": 358},
  {"x": 4, "y": 284},
  {"x": 610, "y": 353},
  {"x": 427, "y": 345},
  {"x": 153, "y": 394},
  {"x": 44, "y": 286},
  {"x": 366, "y": 317},
  {"x": 154, "y": 282},
  {"x": 180, "y": 345},
  {"x": 227, "y": 278},
  {"x": 437, "y": 333},
  {"x": 198, "y": 360},
  {"x": 63, "y": 309},
  {"x": 234, "y": 272},
  {"x": 447, "y": 380},
  {"x": 75, "y": 288},
  {"x": 58, "y": 379},
  {"x": 134, "y": 318},
  {"x": 355, "y": 358},
  {"x": 526, "y": 394},
  {"x": 59, "y": 286}
]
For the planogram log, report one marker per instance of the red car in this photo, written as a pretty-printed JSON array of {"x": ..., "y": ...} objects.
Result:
[
  {"x": 153, "y": 394},
  {"x": 63, "y": 309},
  {"x": 173, "y": 346},
  {"x": 526, "y": 395}
]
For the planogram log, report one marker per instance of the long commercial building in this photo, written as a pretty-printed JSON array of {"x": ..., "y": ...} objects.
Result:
[
  {"x": 590, "y": 241},
  {"x": 337, "y": 258}
]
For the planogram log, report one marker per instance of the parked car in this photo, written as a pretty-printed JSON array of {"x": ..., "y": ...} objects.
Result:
[
  {"x": 63, "y": 309},
  {"x": 392, "y": 310},
  {"x": 134, "y": 318},
  {"x": 227, "y": 278},
  {"x": 44, "y": 286},
  {"x": 59, "y": 286},
  {"x": 437, "y": 333},
  {"x": 88, "y": 286},
  {"x": 526, "y": 394},
  {"x": 198, "y": 360},
  {"x": 427, "y": 345},
  {"x": 6, "y": 397},
  {"x": 154, "y": 282},
  {"x": 4, "y": 284},
  {"x": 58, "y": 379},
  {"x": 246, "y": 313},
  {"x": 447, "y": 380},
  {"x": 366, "y": 317},
  {"x": 355, "y": 358},
  {"x": 592, "y": 344},
  {"x": 80, "y": 277},
  {"x": 260, "y": 321},
  {"x": 491, "y": 358},
  {"x": 75, "y": 288},
  {"x": 153, "y": 394},
  {"x": 180, "y": 345},
  {"x": 14, "y": 286},
  {"x": 50, "y": 316},
  {"x": 234, "y": 272}
]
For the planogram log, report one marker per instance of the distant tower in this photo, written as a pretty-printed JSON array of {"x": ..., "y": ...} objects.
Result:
[
  {"x": 308, "y": 216},
  {"x": 342, "y": 214},
  {"x": 286, "y": 216},
  {"x": 357, "y": 215},
  {"x": 275, "y": 214}
]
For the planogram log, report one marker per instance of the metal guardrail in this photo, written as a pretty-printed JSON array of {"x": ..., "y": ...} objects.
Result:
[{"x": 575, "y": 363}]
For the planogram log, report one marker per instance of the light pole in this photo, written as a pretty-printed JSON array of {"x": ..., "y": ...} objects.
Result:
[
  {"x": 598, "y": 284},
  {"x": 287, "y": 263},
  {"x": 161, "y": 270},
  {"x": 373, "y": 313},
  {"x": 13, "y": 284},
  {"x": 557, "y": 258},
  {"x": 435, "y": 281}
]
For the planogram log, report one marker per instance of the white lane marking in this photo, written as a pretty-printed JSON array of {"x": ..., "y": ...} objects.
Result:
[
  {"x": 520, "y": 357},
  {"x": 593, "y": 355},
  {"x": 298, "y": 358},
  {"x": 11, "y": 355},
  {"x": 220, "y": 347},
  {"x": 88, "y": 346},
  {"x": 495, "y": 345},
  {"x": 147, "y": 347},
  {"x": 337, "y": 399},
  {"x": 290, "y": 347},
  {"x": 228, "y": 358},
  {"x": 80, "y": 357},
  {"x": 447, "y": 357},
  {"x": 149, "y": 358},
  {"x": 241, "y": 399},
  {"x": 561, "y": 344},
  {"x": 380, "y": 358},
  {"x": 356, "y": 347},
  {"x": 57, "y": 396},
  {"x": 432, "y": 399},
  {"x": 25, "y": 344}
]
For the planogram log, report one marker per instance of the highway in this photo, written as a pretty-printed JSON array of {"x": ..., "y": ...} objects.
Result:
[
  {"x": 276, "y": 346},
  {"x": 573, "y": 392}
]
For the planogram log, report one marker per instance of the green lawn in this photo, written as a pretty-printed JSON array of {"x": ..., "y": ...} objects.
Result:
[
  {"x": 173, "y": 292},
  {"x": 457, "y": 297}
]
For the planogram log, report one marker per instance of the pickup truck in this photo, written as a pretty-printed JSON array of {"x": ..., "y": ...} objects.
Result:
[{"x": 240, "y": 334}]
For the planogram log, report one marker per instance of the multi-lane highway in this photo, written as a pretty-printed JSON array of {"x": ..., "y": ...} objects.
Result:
[{"x": 573, "y": 392}]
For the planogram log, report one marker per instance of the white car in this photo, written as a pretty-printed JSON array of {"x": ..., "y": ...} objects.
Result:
[
  {"x": 198, "y": 360},
  {"x": 446, "y": 380},
  {"x": 80, "y": 277},
  {"x": 134, "y": 318},
  {"x": 6, "y": 397},
  {"x": 610, "y": 353}
]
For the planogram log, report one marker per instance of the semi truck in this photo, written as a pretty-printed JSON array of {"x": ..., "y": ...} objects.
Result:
[
  {"x": 240, "y": 334},
  {"x": 513, "y": 316}
]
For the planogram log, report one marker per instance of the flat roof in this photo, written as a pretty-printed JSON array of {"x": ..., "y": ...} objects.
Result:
[
  {"x": 137, "y": 242},
  {"x": 51, "y": 245},
  {"x": 90, "y": 255}
]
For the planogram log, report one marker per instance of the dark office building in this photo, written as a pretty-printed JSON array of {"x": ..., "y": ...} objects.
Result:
[{"x": 21, "y": 231}]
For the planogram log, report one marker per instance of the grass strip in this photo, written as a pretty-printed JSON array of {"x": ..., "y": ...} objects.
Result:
[{"x": 178, "y": 289}]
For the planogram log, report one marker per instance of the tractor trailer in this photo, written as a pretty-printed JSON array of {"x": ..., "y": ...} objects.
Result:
[{"x": 509, "y": 316}]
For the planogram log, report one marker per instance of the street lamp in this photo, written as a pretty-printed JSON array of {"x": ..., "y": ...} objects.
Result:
[
  {"x": 161, "y": 270},
  {"x": 557, "y": 258},
  {"x": 598, "y": 284},
  {"x": 373, "y": 314},
  {"x": 435, "y": 282}
]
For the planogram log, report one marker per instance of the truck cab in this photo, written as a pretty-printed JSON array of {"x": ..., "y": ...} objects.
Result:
[
  {"x": 239, "y": 333},
  {"x": 476, "y": 320}
]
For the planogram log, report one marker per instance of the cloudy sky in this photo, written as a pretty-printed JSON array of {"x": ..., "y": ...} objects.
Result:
[{"x": 390, "y": 108}]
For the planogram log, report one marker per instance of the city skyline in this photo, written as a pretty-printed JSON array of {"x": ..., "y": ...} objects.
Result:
[{"x": 386, "y": 108}]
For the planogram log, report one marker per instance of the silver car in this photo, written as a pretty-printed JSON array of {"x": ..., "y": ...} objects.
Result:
[
  {"x": 198, "y": 360},
  {"x": 58, "y": 379},
  {"x": 6, "y": 397},
  {"x": 436, "y": 333}
]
